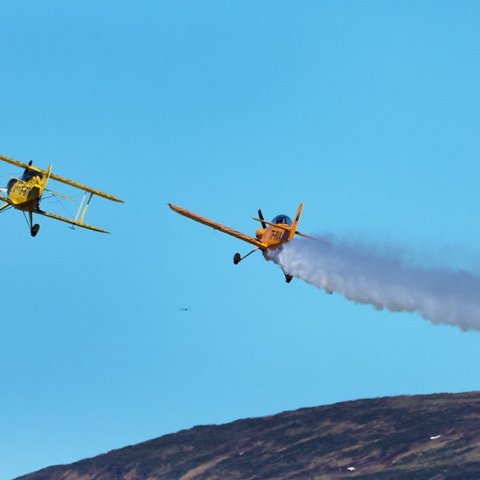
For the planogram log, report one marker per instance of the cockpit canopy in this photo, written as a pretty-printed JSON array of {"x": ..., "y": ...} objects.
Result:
[
  {"x": 10, "y": 184},
  {"x": 282, "y": 219},
  {"x": 28, "y": 174}
]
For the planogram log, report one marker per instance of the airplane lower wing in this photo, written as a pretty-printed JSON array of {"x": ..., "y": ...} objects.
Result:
[
  {"x": 6, "y": 203},
  {"x": 4, "y": 206},
  {"x": 71, "y": 221},
  {"x": 218, "y": 226},
  {"x": 6, "y": 200}
]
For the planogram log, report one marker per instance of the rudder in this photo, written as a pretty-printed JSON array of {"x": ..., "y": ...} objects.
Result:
[{"x": 295, "y": 222}]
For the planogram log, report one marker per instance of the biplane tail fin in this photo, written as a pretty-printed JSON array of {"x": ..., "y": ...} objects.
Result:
[{"x": 293, "y": 228}]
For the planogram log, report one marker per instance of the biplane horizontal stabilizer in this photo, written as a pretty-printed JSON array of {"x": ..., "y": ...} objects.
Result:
[{"x": 71, "y": 221}]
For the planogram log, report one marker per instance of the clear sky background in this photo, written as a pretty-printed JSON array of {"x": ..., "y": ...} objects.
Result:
[{"x": 367, "y": 111}]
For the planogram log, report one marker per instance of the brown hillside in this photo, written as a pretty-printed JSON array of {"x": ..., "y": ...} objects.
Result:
[{"x": 409, "y": 437}]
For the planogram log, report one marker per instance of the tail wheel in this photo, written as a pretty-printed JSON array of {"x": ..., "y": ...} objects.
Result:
[
  {"x": 236, "y": 259},
  {"x": 34, "y": 230}
]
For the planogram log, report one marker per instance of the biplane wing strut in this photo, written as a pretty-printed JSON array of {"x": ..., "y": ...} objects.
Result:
[{"x": 83, "y": 207}]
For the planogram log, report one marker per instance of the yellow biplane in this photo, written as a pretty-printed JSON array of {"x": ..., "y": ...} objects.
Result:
[
  {"x": 272, "y": 234},
  {"x": 25, "y": 193}
]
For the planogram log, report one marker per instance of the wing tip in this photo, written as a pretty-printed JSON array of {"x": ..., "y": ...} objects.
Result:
[{"x": 108, "y": 196}]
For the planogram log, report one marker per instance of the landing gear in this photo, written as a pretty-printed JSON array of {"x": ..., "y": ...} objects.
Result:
[
  {"x": 237, "y": 258},
  {"x": 34, "y": 230},
  {"x": 288, "y": 277}
]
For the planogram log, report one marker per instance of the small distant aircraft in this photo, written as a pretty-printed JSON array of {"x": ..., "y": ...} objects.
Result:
[
  {"x": 25, "y": 193},
  {"x": 272, "y": 234}
]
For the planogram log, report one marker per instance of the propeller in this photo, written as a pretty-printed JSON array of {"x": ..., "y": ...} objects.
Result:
[{"x": 262, "y": 219}]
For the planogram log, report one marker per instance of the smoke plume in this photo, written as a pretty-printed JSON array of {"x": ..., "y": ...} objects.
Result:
[{"x": 384, "y": 278}]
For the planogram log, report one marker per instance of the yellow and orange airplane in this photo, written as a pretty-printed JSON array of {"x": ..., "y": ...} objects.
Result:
[
  {"x": 272, "y": 234},
  {"x": 25, "y": 193}
]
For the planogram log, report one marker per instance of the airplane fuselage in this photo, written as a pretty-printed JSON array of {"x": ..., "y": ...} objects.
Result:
[
  {"x": 25, "y": 194},
  {"x": 273, "y": 235}
]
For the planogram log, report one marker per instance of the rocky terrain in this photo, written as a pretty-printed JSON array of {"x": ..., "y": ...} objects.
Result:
[{"x": 408, "y": 437}]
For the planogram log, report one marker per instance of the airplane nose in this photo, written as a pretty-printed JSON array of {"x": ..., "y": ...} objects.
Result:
[{"x": 259, "y": 233}]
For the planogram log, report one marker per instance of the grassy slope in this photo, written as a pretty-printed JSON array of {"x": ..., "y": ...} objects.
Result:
[{"x": 385, "y": 439}]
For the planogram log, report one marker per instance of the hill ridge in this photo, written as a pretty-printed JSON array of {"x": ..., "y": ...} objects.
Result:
[{"x": 389, "y": 438}]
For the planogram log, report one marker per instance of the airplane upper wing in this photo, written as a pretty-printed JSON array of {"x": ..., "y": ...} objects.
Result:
[
  {"x": 72, "y": 183},
  {"x": 20, "y": 164},
  {"x": 58, "y": 178},
  {"x": 71, "y": 221},
  {"x": 218, "y": 226}
]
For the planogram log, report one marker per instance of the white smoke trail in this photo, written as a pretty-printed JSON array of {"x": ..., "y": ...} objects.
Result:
[{"x": 384, "y": 279}]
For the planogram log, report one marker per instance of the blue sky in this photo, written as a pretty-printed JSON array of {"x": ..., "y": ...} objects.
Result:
[{"x": 368, "y": 112}]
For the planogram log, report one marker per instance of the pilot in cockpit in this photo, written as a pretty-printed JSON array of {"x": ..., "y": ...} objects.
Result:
[
  {"x": 28, "y": 173},
  {"x": 282, "y": 219}
]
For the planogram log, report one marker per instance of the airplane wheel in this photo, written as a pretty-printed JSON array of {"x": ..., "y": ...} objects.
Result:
[
  {"x": 236, "y": 258},
  {"x": 34, "y": 230},
  {"x": 288, "y": 278}
]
